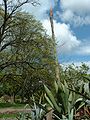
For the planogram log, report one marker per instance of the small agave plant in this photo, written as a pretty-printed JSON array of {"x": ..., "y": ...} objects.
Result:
[
  {"x": 36, "y": 113},
  {"x": 23, "y": 116}
]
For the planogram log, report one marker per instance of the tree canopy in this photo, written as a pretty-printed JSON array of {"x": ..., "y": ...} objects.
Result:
[{"x": 26, "y": 59}]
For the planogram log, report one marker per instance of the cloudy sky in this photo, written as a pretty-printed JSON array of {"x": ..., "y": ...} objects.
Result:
[{"x": 71, "y": 24}]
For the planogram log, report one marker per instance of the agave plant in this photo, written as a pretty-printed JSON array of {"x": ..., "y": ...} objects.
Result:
[
  {"x": 37, "y": 113},
  {"x": 83, "y": 103},
  {"x": 66, "y": 102},
  {"x": 23, "y": 116},
  {"x": 62, "y": 102}
]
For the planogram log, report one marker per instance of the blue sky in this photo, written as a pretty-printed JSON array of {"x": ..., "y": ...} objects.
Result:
[
  {"x": 72, "y": 26},
  {"x": 80, "y": 29}
]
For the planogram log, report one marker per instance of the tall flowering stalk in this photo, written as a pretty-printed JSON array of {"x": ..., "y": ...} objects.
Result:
[{"x": 54, "y": 45}]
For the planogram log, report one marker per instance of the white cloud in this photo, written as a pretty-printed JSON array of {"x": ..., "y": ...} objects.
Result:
[
  {"x": 39, "y": 11},
  {"x": 76, "y": 11},
  {"x": 84, "y": 50},
  {"x": 66, "y": 40},
  {"x": 79, "y": 6}
]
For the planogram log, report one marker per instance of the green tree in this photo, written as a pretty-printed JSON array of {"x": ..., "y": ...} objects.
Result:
[
  {"x": 74, "y": 75},
  {"x": 25, "y": 50},
  {"x": 8, "y": 11},
  {"x": 29, "y": 56}
]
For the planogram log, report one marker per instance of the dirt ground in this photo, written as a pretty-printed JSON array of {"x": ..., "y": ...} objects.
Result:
[{"x": 13, "y": 110}]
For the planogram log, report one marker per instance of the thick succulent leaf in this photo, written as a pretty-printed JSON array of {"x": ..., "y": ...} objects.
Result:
[
  {"x": 64, "y": 117},
  {"x": 71, "y": 115},
  {"x": 66, "y": 88},
  {"x": 86, "y": 88},
  {"x": 81, "y": 105},
  {"x": 78, "y": 100},
  {"x": 51, "y": 97},
  {"x": 49, "y": 101},
  {"x": 56, "y": 86},
  {"x": 57, "y": 117},
  {"x": 64, "y": 94},
  {"x": 70, "y": 97},
  {"x": 81, "y": 88},
  {"x": 78, "y": 103}
]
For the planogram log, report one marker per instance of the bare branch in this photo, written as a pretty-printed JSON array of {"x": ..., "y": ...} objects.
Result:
[
  {"x": 9, "y": 15},
  {"x": 2, "y": 28},
  {"x": 7, "y": 64},
  {"x": 5, "y": 45}
]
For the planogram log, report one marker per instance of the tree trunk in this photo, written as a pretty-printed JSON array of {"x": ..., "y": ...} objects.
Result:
[
  {"x": 22, "y": 99},
  {"x": 13, "y": 98}
]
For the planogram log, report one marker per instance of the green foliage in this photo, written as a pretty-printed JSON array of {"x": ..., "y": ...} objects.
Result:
[
  {"x": 52, "y": 100},
  {"x": 8, "y": 116},
  {"x": 62, "y": 102},
  {"x": 74, "y": 75},
  {"x": 9, "y": 105},
  {"x": 26, "y": 60},
  {"x": 36, "y": 113},
  {"x": 23, "y": 116},
  {"x": 71, "y": 94}
]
